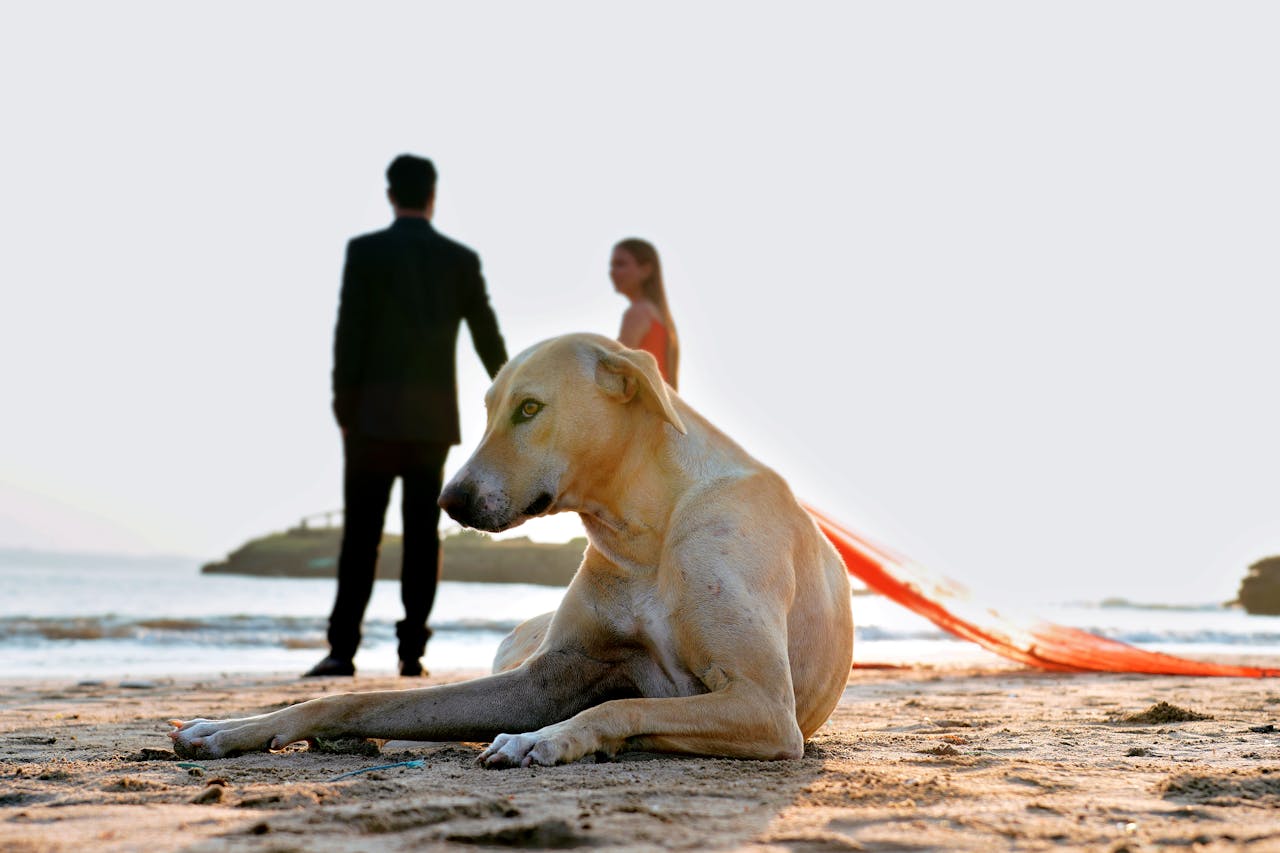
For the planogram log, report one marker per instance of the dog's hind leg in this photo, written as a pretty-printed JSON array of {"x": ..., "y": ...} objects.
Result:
[
  {"x": 522, "y": 642},
  {"x": 741, "y": 721}
]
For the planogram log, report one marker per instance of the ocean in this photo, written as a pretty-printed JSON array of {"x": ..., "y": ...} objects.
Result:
[{"x": 92, "y": 617}]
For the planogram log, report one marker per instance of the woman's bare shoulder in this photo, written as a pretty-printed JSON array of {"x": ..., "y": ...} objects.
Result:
[
  {"x": 648, "y": 310},
  {"x": 636, "y": 321}
]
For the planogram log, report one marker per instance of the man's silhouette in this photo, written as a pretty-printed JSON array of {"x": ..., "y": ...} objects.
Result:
[{"x": 405, "y": 291}]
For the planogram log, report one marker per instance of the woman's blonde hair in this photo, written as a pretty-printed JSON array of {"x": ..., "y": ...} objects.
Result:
[{"x": 655, "y": 292}]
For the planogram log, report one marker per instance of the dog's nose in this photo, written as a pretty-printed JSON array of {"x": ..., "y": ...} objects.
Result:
[{"x": 457, "y": 500}]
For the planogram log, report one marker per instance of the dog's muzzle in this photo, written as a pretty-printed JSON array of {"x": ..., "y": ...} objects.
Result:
[
  {"x": 539, "y": 506},
  {"x": 459, "y": 501},
  {"x": 466, "y": 505}
]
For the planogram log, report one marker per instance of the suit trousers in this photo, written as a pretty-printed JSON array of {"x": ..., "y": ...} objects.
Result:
[{"x": 371, "y": 468}]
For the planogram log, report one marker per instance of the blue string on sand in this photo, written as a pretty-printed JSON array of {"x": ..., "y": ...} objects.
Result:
[{"x": 417, "y": 762}]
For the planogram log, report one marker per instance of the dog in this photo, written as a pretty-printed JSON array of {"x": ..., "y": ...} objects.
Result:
[{"x": 709, "y": 615}]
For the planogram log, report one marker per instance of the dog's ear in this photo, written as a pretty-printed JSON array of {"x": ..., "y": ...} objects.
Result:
[{"x": 629, "y": 375}]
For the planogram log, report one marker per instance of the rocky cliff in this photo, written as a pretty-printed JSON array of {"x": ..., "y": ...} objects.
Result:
[{"x": 468, "y": 556}]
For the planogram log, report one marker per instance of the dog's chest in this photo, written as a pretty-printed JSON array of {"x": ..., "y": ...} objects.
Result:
[{"x": 660, "y": 671}]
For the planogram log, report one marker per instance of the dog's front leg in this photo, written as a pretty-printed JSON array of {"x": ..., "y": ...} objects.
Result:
[{"x": 549, "y": 687}]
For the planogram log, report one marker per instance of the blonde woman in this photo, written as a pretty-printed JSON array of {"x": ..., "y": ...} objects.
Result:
[{"x": 646, "y": 324}]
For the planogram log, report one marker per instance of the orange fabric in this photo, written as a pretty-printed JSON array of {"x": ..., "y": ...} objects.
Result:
[
  {"x": 949, "y": 606},
  {"x": 654, "y": 342}
]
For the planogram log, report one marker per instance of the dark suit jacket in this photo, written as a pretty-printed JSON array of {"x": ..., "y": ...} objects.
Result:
[{"x": 405, "y": 291}]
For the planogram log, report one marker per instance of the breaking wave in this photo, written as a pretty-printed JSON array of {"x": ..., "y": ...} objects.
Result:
[
  {"x": 290, "y": 631},
  {"x": 309, "y": 631}
]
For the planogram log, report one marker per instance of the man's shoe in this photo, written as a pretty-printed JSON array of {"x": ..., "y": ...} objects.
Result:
[
  {"x": 412, "y": 668},
  {"x": 331, "y": 666}
]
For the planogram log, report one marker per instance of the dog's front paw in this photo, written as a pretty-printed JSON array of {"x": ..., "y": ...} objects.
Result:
[
  {"x": 221, "y": 738},
  {"x": 545, "y": 747}
]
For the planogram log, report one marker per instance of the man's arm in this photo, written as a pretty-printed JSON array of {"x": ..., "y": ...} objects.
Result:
[
  {"x": 349, "y": 340},
  {"x": 481, "y": 320}
]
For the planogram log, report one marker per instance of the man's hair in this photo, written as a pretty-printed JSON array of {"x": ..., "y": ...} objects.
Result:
[{"x": 412, "y": 180}]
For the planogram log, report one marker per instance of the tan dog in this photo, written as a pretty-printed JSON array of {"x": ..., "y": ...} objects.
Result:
[{"x": 709, "y": 615}]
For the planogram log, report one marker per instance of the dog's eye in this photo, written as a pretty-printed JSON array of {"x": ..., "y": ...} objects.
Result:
[{"x": 527, "y": 410}]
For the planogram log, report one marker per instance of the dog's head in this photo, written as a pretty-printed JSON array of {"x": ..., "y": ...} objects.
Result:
[{"x": 562, "y": 414}]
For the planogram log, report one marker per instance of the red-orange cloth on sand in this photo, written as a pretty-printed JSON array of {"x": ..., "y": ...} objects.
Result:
[{"x": 949, "y": 606}]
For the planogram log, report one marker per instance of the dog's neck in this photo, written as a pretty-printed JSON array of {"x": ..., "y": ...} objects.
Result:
[
  {"x": 628, "y": 524},
  {"x": 635, "y": 548}
]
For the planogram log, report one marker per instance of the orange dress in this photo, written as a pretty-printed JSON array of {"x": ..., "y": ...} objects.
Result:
[{"x": 654, "y": 342}]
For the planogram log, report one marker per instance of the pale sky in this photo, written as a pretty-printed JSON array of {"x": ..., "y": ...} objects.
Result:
[{"x": 994, "y": 283}]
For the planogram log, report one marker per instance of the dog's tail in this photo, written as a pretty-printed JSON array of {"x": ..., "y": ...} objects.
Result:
[{"x": 1044, "y": 644}]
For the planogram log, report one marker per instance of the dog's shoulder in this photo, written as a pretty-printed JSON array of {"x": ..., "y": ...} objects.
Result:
[
  {"x": 738, "y": 506},
  {"x": 743, "y": 486}
]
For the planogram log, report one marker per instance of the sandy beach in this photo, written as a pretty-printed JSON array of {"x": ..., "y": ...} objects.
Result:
[{"x": 927, "y": 758}]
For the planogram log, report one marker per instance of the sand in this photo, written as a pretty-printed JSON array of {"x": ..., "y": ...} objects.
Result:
[{"x": 929, "y": 758}]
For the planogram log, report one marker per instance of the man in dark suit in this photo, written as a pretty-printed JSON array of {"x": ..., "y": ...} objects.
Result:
[{"x": 405, "y": 291}]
